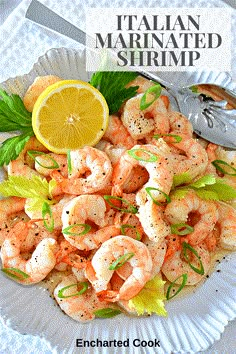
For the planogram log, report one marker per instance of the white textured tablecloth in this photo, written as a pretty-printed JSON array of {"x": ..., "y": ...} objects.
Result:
[{"x": 21, "y": 43}]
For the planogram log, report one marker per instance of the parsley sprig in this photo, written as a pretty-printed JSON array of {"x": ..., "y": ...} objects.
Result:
[
  {"x": 113, "y": 87},
  {"x": 13, "y": 118}
]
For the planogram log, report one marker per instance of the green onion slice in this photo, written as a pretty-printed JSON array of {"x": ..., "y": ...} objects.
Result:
[
  {"x": 151, "y": 157},
  {"x": 184, "y": 281},
  {"x": 127, "y": 226},
  {"x": 181, "y": 229},
  {"x": 176, "y": 138},
  {"x": 156, "y": 90},
  {"x": 67, "y": 230},
  {"x": 15, "y": 273},
  {"x": 107, "y": 313},
  {"x": 47, "y": 210},
  {"x": 69, "y": 162},
  {"x": 84, "y": 286},
  {"x": 32, "y": 154},
  {"x": 130, "y": 209},
  {"x": 217, "y": 164},
  {"x": 121, "y": 261},
  {"x": 186, "y": 246},
  {"x": 149, "y": 189}
]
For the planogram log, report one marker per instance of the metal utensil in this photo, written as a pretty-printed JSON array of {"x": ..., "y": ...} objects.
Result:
[{"x": 210, "y": 119}]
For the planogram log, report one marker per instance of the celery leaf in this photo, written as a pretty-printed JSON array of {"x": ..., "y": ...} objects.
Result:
[
  {"x": 35, "y": 188},
  {"x": 150, "y": 299}
]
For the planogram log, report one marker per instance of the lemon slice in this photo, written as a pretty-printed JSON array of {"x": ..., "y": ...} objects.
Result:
[{"x": 68, "y": 115}]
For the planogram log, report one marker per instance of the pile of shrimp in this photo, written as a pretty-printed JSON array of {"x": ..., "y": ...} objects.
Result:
[{"x": 116, "y": 196}]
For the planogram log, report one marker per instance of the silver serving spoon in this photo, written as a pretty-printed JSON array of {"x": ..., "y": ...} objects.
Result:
[{"x": 210, "y": 119}]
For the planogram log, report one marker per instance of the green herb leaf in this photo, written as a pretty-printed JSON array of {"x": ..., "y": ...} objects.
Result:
[
  {"x": 113, "y": 87},
  {"x": 207, "y": 187},
  {"x": 180, "y": 179},
  {"x": 203, "y": 181},
  {"x": 15, "y": 118},
  {"x": 107, "y": 313},
  {"x": 11, "y": 147},
  {"x": 150, "y": 299},
  {"x": 35, "y": 188}
]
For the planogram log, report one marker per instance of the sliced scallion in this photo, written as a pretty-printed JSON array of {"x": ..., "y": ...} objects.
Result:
[
  {"x": 130, "y": 209},
  {"x": 149, "y": 189},
  {"x": 181, "y": 229},
  {"x": 34, "y": 153},
  {"x": 106, "y": 313},
  {"x": 151, "y": 157},
  {"x": 176, "y": 138},
  {"x": 156, "y": 91},
  {"x": 127, "y": 226},
  {"x": 186, "y": 246},
  {"x": 67, "y": 230},
  {"x": 69, "y": 165},
  {"x": 84, "y": 286},
  {"x": 218, "y": 163},
  {"x": 47, "y": 210},
  {"x": 184, "y": 281},
  {"x": 15, "y": 273},
  {"x": 119, "y": 262}
]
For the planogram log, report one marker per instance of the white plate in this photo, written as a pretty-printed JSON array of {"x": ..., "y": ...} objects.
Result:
[{"x": 194, "y": 322}]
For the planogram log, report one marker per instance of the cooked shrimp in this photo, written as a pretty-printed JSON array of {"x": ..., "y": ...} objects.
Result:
[
  {"x": 42, "y": 260},
  {"x": 35, "y": 235},
  {"x": 117, "y": 133},
  {"x": 152, "y": 220},
  {"x": 160, "y": 172},
  {"x": 192, "y": 207},
  {"x": 110, "y": 251},
  {"x": 9, "y": 207},
  {"x": 140, "y": 123},
  {"x": 179, "y": 124},
  {"x": 195, "y": 160},
  {"x": 86, "y": 160},
  {"x": 227, "y": 224},
  {"x": 175, "y": 266},
  {"x": 113, "y": 152},
  {"x": 86, "y": 209},
  {"x": 56, "y": 212},
  {"x": 143, "y": 83},
  {"x": 80, "y": 307},
  {"x": 138, "y": 177},
  {"x": 23, "y": 165},
  {"x": 44, "y": 160},
  {"x": 116, "y": 283},
  {"x": 37, "y": 87},
  {"x": 157, "y": 252}
]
